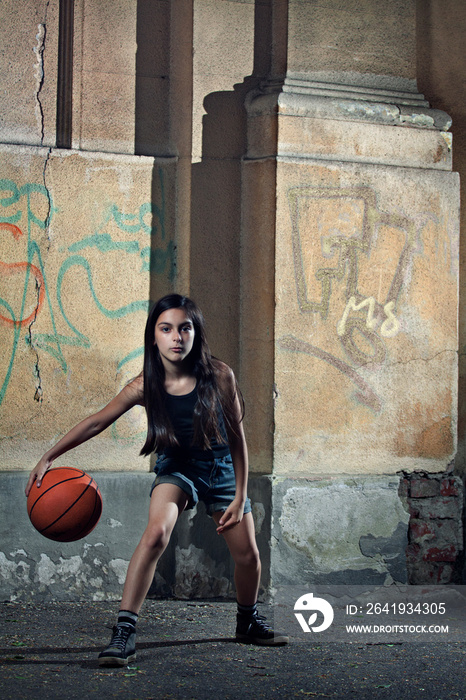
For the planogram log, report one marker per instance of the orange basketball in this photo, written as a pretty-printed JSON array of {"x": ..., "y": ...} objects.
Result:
[{"x": 67, "y": 505}]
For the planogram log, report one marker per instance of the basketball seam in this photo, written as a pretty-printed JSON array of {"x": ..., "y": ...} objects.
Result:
[
  {"x": 71, "y": 478},
  {"x": 96, "y": 501},
  {"x": 68, "y": 509}
]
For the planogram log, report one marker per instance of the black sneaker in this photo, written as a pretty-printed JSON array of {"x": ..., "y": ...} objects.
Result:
[
  {"x": 122, "y": 647},
  {"x": 253, "y": 630}
]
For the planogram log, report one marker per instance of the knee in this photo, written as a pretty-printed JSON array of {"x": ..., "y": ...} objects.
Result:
[
  {"x": 249, "y": 558},
  {"x": 156, "y": 537}
]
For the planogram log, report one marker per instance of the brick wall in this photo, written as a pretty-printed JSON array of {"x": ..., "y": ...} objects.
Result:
[{"x": 435, "y": 552}]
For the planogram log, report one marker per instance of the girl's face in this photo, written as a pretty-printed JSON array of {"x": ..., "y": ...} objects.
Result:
[{"x": 174, "y": 336}]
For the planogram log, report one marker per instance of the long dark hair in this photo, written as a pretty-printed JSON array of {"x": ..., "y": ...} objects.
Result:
[{"x": 160, "y": 433}]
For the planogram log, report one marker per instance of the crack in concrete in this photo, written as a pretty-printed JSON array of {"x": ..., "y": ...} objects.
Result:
[
  {"x": 39, "y": 50},
  {"x": 49, "y": 198},
  {"x": 413, "y": 359},
  {"x": 38, "y": 395}
]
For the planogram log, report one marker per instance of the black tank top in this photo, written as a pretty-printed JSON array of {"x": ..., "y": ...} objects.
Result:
[{"x": 181, "y": 413}]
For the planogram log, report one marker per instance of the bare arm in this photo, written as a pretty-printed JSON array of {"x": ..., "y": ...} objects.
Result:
[
  {"x": 239, "y": 454},
  {"x": 130, "y": 396}
]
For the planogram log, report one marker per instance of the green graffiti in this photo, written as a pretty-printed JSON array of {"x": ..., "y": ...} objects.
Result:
[
  {"x": 131, "y": 356},
  {"x": 32, "y": 251},
  {"x": 109, "y": 313},
  {"x": 105, "y": 243},
  {"x": 32, "y": 202},
  {"x": 154, "y": 260}
]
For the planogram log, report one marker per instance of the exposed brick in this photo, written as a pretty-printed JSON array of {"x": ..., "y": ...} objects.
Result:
[
  {"x": 412, "y": 552},
  {"x": 441, "y": 574},
  {"x": 433, "y": 508},
  {"x": 451, "y": 486},
  {"x": 448, "y": 553},
  {"x": 414, "y": 509},
  {"x": 419, "y": 530},
  {"x": 435, "y": 532},
  {"x": 447, "y": 532},
  {"x": 424, "y": 488},
  {"x": 420, "y": 572}
]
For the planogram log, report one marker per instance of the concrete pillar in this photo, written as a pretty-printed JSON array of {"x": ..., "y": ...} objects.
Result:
[{"x": 348, "y": 189}]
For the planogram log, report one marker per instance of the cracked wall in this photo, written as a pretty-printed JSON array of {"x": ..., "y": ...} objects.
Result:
[
  {"x": 86, "y": 240},
  {"x": 366, "y": 319},
  {"x": 29, "y": 40},
  {"x": 348, "y": 274},
  {"x": 196, "y": 564},
  {"x": 338, "y": 531}
]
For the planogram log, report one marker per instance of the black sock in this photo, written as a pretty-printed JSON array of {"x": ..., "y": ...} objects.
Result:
[
  {"x": 247, "y": 610},
  {"x": 126, "y": 617}
]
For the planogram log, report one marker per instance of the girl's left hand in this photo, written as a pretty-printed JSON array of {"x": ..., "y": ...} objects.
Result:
[{"x": 231, "y": 517}]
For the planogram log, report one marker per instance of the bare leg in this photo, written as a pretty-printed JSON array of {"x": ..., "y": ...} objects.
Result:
[
  {"x": 241, "y": 541},
  {"x": 167, "y": 503}
]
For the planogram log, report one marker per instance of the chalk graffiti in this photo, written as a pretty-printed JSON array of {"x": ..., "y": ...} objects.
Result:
[
  {"x": 32, "y": 206},
  {"x": 365, "y": 394},
  {"x": 361, "y": 220},
  {"x": 389, "y": 327}
]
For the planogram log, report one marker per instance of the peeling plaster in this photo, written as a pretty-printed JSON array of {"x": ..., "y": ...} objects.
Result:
[
  {"x": 14, "y": 572},
  {"x": 119, "y": 568},
  {"x": 47, "y": 572},
  {"x": 334, "y": 518},
  {"x": 114, "y": 523},
  {"x": 78, "y": 575}
]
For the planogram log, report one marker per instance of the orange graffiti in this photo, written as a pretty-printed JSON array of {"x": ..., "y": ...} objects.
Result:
[
  {"x": 12, "y": 229},
  {"x": 7, "y": 270},
  {"x": 10, "y": 269}
]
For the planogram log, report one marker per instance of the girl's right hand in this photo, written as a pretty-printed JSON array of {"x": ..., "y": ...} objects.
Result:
[
  {"x": 131, "y": 395},
  {"x": 37, "y": 474}
]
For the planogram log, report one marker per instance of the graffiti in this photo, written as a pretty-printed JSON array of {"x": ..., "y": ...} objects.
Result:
[
  {"x": 365, "y": 394},
  {"x": 349, "y": 223},
  {"x": 153, "y": 260},
  {"x": 35, "y": 198},
  {"x": 11, "y": 269},
  {"x": 32, "y": 207},
  {"x": 389, "y": 327}
]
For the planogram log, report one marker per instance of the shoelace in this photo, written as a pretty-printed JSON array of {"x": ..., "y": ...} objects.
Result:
[
  {"x": 258, "y": 623},
  {"x": 120, "y": 636}
]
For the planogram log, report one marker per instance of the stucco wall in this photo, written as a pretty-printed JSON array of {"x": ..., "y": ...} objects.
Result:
[
  {"x": 87, "y": 239},
  {"x": 366, "y": 364},
  {"x": 276, "y": 161}
]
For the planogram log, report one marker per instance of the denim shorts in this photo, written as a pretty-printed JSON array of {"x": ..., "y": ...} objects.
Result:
[{"x": 210, "y": 481}]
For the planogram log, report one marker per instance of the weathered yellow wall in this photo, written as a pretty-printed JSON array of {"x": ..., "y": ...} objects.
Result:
[
  {"x": 366, "y": 335},
  {"x": 274, "y": 159},
  {"x": 441, "y": 66},
  {"x": 143, "y": 90},
  {"x": 80, "y": 234},
  {"x": 24, "y": 29},
  {"x": 223, "y": 46}
]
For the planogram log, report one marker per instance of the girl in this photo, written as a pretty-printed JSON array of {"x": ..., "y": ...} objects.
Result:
[{"x": 194, "y": 423}]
